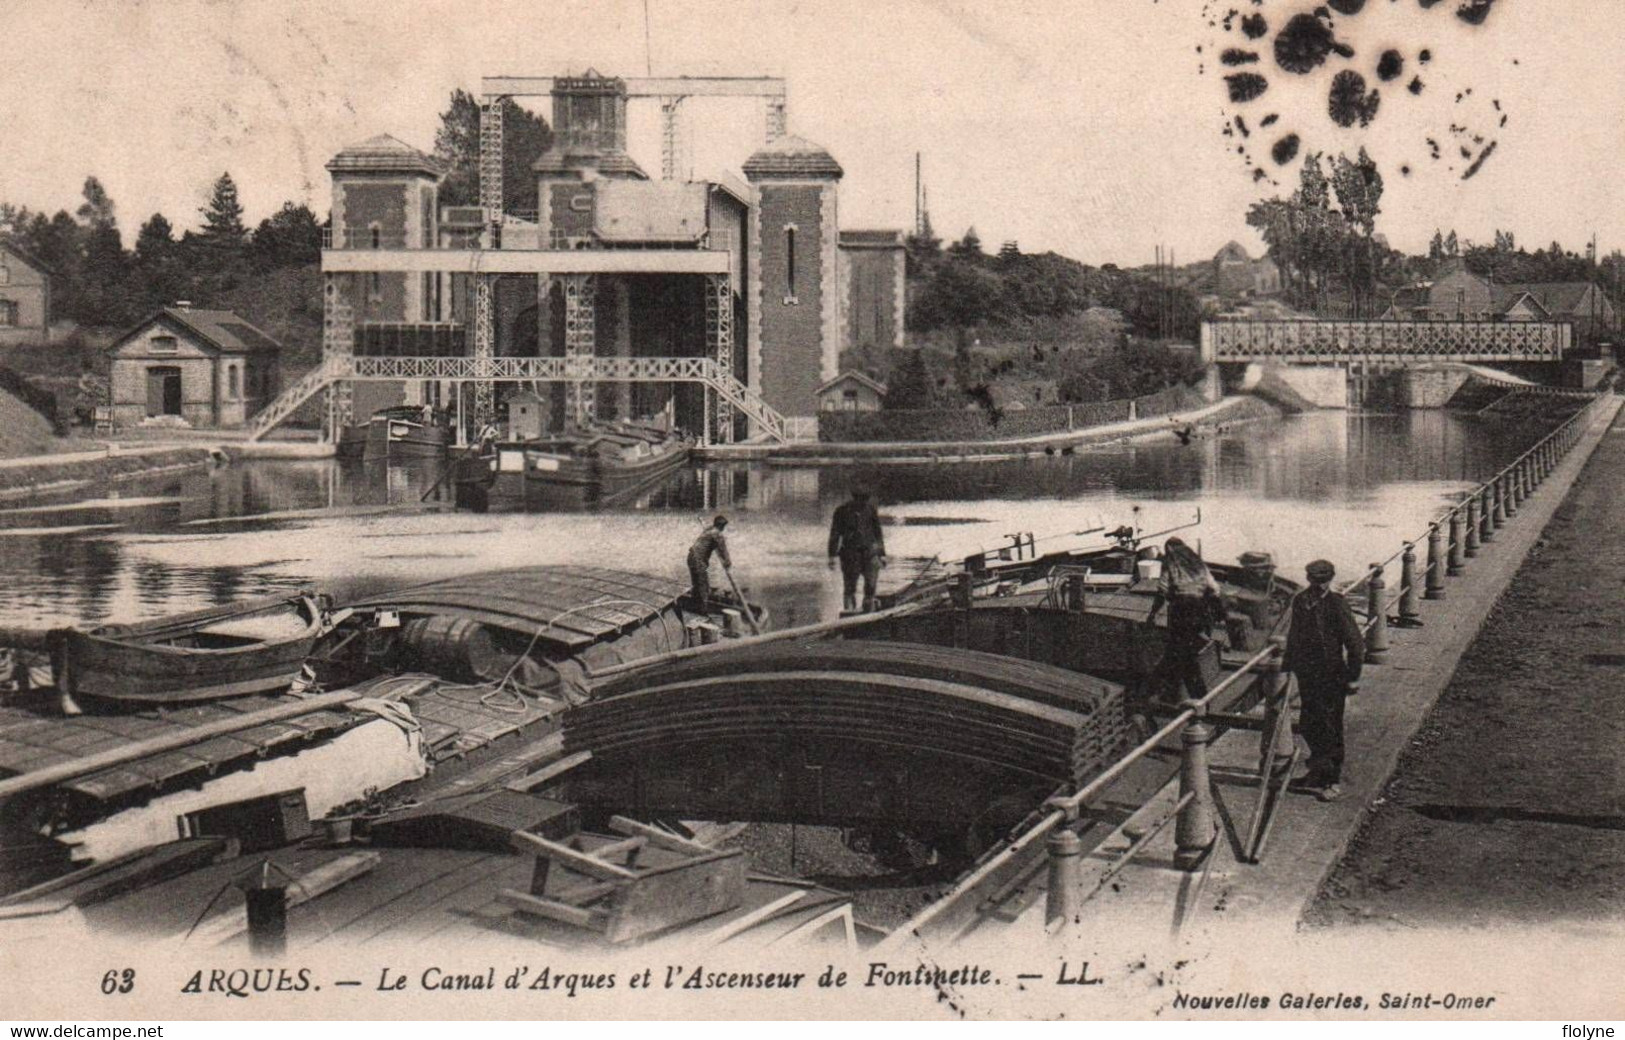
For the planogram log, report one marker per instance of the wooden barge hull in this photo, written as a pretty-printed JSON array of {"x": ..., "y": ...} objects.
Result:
[{"x": 187, "y": 658}]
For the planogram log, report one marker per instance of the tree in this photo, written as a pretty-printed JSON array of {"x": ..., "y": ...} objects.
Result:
[
  {"x": 1452, "y": 246},
  {"x": 290, "y": 237},
  {"x": 1358, "y": 184},
  {"x": 223, "y": 217},
  {"x": 1436, "y": 247},
  {"x": 155, "y": 241},
  {"x": 910, "y": 386},
  {"x": 525, "y": 136},
  {"x": 968, "y": 247},
  {"x": 102, "y": 295},
  {"x": 159, "y": 275}
]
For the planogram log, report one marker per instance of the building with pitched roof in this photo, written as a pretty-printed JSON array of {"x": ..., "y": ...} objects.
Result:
[
  {"x": 25, "y": 296},
  {"x": 1457, "y": 294},
  {"x": 208, "y": 368}
]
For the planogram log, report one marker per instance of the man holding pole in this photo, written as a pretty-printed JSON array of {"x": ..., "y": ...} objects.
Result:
[
  {"x": 856, "y": 541},
  {"x": 710, "y": 542},
  {"x": 1325, "y": 650}
]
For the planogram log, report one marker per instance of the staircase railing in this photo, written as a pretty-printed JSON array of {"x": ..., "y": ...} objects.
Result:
[{"x": 289, "y": 400}]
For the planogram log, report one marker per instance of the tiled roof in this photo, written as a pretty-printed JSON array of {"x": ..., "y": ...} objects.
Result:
[
  {"x": 791, "y": 157},
  {"x": 26, "y": 257},
  {"x": 1562, "y": 299},
  {"x": 610, "y": 163},
  {"x": 222, "y": 330},
  {"x": 384, "y": 154},
  {"x": 857, "y": 377}
]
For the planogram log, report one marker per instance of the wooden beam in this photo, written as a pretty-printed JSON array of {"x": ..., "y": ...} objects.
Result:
[
  {"x": 569, "y": 858},
  {"x": 306, "y": 887},
  {"x": 553, "y": 909},
  {"x": 294, "y": 708},
  {"x": 658, "y": 837}
]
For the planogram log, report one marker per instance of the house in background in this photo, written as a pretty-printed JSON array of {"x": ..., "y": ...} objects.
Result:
[
  {"x": 208, "y": 368},
  {"x": 1237, "y": 274},
  {"x": 25, "y": 297},
  {"x": 1457, "y": 294},
  {"x": 851, "y": 392}
]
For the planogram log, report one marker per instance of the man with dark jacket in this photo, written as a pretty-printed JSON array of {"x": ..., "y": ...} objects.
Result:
[
  {"x": 1325, "y": 650},
  {"x": 711, "y": 541},
  {"x": 856, "y": 541}
]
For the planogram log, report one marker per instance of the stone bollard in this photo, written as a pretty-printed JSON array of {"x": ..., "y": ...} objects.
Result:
[
  {"x": 1275, "y": 746},
  {"x": 1529, "y": 479},
  {"x": 1376, "y": 640},
  {"x": 1064, "y": 890},
  {"x": 1509, "y": 499},
  {"x": 1196, "y": 829},
  {"x": 1486, "y": 524},
  {"x": 1408, "y": 609},
  {"x": 1500, "y": 518},
  {"x": 1454, "y": 564},
  {"x": 1435, "y": 567},
  {"x": 1471, "y": 547}
]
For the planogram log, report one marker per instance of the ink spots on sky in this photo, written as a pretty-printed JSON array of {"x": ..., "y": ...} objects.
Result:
[
  {"x": 1254, "y": 26},
  {"x": 1349, "y": 103},
  {"x": 1473, "y": 12},
  {"x": 1390, "y": 65},
  {"x": 1305, "y": 44},
  {"x": 1237, "y": 56},
  {"x": 1415, "y": 85},
  {"x": 1347, "y": 6},
  {"x": 1479, "y": 162},
  {"x": 1285, "y": 150},
  {"x": 1245, "y": 86}
]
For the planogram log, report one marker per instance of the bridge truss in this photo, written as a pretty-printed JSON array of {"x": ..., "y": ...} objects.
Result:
[{"x": 1383, "y": 342}]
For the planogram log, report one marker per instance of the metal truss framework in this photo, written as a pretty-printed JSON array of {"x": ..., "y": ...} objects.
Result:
[
  {"x": 484, "y": 341},
  {"x": 580, "y": 343},
  {"x": 491, "y": 158},
  {"x": 719, "y": 342},
  {"x": 1391, "y": 342},
  {"x": 338, "y": 339}
]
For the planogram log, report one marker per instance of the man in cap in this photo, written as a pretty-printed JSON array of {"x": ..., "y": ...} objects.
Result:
[
  {"x": 1325, "y": 650},
  {"x": 711, "y": 541},
  {"x": 856, "y": 541}
]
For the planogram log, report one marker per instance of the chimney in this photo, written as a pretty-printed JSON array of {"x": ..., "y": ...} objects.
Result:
[{"x": 183, "y": 305}]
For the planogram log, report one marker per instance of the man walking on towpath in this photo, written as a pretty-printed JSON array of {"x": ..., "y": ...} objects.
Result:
[
  {"x": 855, "y": 540},
  {"x": 1325, "y": 650},
  {"x": 711, "y": 541}
]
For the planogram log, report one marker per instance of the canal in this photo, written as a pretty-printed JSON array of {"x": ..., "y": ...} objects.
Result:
[{"x": 1344, "y": 486}]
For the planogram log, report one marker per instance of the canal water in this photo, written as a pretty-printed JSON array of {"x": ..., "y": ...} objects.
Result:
[{"x": 1348, "y": 487}]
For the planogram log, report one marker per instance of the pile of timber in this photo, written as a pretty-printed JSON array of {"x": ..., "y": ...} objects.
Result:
[{"x": 1037, "y": 719}]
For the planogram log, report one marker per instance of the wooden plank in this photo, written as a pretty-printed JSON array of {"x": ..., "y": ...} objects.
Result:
[
  {"x": 666, "y": 897},
  {"x": 102, "y": 881},
  {"x": 658, "y": 837},
  {"x": 534, "y": 780},
  {"x": 306, "y": 887},
  {"x": 744, "y": 922},
  {"x": 631, "y": 846},
  {"x": 541, "y": 906},
  {"x": 38, "y": 778},
  {"x": 569, "y": 858}
]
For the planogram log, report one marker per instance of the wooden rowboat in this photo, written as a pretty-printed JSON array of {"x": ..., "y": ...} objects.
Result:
[{"x": 229, "y": 651}]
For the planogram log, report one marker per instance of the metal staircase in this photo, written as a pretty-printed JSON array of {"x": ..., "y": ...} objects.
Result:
[
  {"x": 349, "y": 368},
  {"x": 289, "y": 400}
]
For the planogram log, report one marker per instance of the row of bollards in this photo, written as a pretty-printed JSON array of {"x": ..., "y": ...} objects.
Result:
[{"x": 1451, "y": 542}]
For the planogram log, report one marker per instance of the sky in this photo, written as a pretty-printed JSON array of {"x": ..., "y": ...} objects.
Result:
[{"x": 1090, "y": 127}]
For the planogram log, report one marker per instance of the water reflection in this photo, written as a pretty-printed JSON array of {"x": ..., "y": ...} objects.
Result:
[{"x": 1344, "y": 486}]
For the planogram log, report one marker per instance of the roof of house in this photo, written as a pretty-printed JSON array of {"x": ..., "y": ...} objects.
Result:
[
  {"x": 856, "y": 377},
  {"x": 10, "y": 246},
  {"x": 1557, "y": 297},
  {"x": 1506, "y": 297},
  {"x": 1233, "y": 251},
  {"x": 384, "y": 154},
  {"x": 791, "y": 156},
  {"x": 222, "y": 330}
]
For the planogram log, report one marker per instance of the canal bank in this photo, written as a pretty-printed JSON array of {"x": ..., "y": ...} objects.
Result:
[
  {"x": 22, "y": 478},
  {"x": 1226, "y": 412},
  {"x": 1507, "y": 806},
  {"x": 1227, "y": 896}
]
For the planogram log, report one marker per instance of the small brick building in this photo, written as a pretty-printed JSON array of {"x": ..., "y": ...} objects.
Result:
[
  {"x": 25, "y": 297},
  {"x": 851, "y": 392},
  {"x": 210, "y": 368}
]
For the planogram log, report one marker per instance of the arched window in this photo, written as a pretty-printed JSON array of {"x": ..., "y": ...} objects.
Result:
[{"x": 231, "y": 381}]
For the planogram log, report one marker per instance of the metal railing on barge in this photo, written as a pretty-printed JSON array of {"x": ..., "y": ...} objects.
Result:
[{"x": 1456, "y": 535}]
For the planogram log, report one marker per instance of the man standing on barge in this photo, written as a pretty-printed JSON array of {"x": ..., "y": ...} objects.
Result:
[
  {"x": 711, "y": 541},
  {"x": 1325, "y": 650},
  {"x": 856, "y": 541}
]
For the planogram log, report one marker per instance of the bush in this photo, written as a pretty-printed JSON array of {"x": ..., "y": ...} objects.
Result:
[{"x": 41, "y": 401}]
